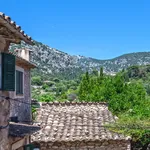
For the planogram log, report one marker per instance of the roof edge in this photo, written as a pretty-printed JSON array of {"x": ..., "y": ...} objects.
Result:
[
  {"x": 73, "y": 103},
  {"x": 16, "y": 29}
]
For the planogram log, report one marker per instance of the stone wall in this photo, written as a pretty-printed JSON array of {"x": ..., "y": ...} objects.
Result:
[
  {"x": 22, "y": 110},
  {"x": 4, "y": 117},
  {"x": 105, "y": 145}
]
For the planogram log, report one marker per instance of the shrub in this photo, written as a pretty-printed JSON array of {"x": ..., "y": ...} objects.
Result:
[{"x": 36, "y": 80}]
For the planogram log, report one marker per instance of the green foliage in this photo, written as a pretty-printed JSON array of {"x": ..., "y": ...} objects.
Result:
[
  {"x": 95, "y": 72},
  {"x": 56, "y": 80},
  {"x": 36, "y": 80},
  {"x": 84, "y": 87},
  {"x": 147, "y": 87},
  {"x": 101, "y": 72},
  {"x": 33, "y": 112},
  {"x": 45, "y": 86},
  {"x": 35, "y": 93},
  {"x": 62, "y": 90},
  {"x": 127, "y": 100},
  {"x": 46, "y": 98},
  {"x": 49, "y": 83}
]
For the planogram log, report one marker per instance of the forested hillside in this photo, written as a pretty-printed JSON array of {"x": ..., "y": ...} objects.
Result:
[{"x": 52, "y": 62}]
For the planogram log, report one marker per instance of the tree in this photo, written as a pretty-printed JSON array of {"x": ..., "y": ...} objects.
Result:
[
  {"x": 119, "y": 83},
  {"x": 36, "y": 80},
  {"x": 133, "y": 71},
  {"x": 147, "y": 88},
  {"x": 101, "y": 72},
  {"x": 56, "y": 80},
  {"x": 127, "y": 100},
  {"x": 84, "y": 87}
]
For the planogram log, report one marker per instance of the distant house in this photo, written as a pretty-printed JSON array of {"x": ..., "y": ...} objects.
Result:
[
  {"x": 77, "y": 126},
  {"x": 15, "y": 88}
]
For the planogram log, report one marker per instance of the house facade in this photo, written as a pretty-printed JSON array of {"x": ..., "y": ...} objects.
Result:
[
  {"x": 15, "y": 88},
  {"x": 77, "y": 126}
]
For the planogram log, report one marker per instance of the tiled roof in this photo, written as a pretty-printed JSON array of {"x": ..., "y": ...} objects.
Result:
[
  {"x": 21, "y": 130},
  {"x": 67, "y": 122},
  {"x": 6, "y": 21}
]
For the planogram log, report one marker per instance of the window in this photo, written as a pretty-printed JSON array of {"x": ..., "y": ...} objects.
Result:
[
  {"x": 19, "y": 82},
  {"x": 8, "y": 72}
]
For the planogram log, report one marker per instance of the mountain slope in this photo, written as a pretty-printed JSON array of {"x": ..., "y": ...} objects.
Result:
[{"x": 51, "y": 61}]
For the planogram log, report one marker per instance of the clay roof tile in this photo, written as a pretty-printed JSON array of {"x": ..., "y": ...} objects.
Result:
[
  {"x": 4, "y": 19},
  {"x": 70, "y": 121}
]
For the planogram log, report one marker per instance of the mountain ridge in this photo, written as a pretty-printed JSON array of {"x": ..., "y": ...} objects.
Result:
[{"x": 51, "y": 61}]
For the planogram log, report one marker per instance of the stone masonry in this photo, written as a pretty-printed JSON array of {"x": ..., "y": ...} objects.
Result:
[
  {"x": 4, "y": 116},
  {"x": 22, "y": 110}
]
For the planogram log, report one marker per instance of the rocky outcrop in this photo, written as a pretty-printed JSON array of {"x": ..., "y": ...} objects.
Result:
[{"x": 54, "y": 62}]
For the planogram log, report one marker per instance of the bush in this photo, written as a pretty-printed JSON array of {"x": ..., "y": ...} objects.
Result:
[
  {"x": 49, "y": 83},
  {"x": 56, "y": 80},
  {"x": 36, "y": 80},
  {"x": 46, "y": 98}
]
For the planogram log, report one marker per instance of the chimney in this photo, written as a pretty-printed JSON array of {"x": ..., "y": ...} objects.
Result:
[{"x": 24, "y": 53}]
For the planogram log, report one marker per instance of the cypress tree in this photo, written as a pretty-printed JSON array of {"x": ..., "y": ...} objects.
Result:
[
  {"x": 101, "y": 72},
  {"x": 84, "y": 87}
]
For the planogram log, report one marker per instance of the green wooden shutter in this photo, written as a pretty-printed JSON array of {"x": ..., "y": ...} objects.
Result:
[
  {"x": 29, "y": 147},
  {"x": 8, "y": 72}
]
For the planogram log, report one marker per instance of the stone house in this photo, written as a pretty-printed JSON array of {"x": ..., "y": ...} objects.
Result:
[
  {"x": 15, "y": 88},
  {"x": 77, "y": 126}
]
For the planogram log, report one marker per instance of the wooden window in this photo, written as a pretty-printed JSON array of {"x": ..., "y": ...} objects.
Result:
[
  {"x": 19, "y": 82},
  {"x": 8, "y": 72}
]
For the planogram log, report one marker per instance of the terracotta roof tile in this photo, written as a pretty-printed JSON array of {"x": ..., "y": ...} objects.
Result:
[
  {"x": 6, "y": 19},
  {"x": 74, "y": 122}
]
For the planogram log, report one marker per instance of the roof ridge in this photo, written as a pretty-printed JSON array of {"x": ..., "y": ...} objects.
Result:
[{"x": 74, "y": 103}]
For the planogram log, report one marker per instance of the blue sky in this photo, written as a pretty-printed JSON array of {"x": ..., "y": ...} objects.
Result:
[{"x": 96, "y": 28}]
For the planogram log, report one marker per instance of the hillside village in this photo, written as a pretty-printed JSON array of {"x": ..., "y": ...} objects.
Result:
[{"x": 74, "y": 102}]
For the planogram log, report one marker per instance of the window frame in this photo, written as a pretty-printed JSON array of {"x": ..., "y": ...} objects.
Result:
[{"x": 19, "y": 95}]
